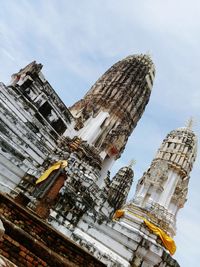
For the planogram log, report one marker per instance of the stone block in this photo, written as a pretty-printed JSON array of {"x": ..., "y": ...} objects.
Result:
[{"x": 2, "y": 230}]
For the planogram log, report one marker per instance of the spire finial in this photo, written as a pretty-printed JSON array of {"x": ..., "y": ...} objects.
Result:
[
  {"x": 149, "y": 53},
  {"x": 190, "y": 123},
  {"x": 132, "y": 163}
]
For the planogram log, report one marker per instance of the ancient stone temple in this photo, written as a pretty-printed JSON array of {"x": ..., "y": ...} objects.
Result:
[{"x": 59, "y": 206}]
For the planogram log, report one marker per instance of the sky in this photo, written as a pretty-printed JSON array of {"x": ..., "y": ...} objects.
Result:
[{"x": 77, "y": 41}]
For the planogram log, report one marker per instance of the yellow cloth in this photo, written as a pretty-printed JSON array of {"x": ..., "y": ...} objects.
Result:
[
  {"x": 55, "y": 166},
  {"x": 118, "y": 214},
  {"x": 166, "y": 239},
  {"x": 168, "y": 242}
]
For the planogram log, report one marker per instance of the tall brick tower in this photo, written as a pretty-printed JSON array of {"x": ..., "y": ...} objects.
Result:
[{"x": 109, "y": 112}]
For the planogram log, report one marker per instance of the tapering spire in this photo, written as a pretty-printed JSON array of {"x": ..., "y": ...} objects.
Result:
[
  {"x": 110, "y": 110},
  {"x": 120, "y": 186}
]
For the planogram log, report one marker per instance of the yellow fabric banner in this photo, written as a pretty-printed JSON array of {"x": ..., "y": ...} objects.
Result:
[
  {"x": 168, "y": 242},
  {"x": 118, "y": 214},
  {"x": 55, "y": 166},
  {"x": 166, "y": 239}
]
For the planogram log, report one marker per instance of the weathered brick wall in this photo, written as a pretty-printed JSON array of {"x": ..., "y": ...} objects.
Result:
[
  {"x": 29, "y": 241},
  {"x": 18, "y": 254}
]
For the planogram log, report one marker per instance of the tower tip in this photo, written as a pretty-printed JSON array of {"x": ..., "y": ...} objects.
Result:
[
  {"x": 132, "y": 163},
  {"x": 190, "y": 123}
]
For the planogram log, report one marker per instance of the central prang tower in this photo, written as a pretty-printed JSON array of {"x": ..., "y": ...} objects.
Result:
[{"x": 109, "y": 112}]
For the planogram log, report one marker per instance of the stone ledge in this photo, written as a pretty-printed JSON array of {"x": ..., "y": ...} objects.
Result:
[{"x": 5, "y": 262}]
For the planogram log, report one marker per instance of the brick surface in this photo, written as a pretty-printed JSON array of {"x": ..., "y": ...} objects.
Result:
[
  {"x": 35, "y": 243},
  {"x": 23, "y": 254}
]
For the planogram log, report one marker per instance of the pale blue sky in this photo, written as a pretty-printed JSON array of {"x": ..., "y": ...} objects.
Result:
[{"x": 77, "y": 41}]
